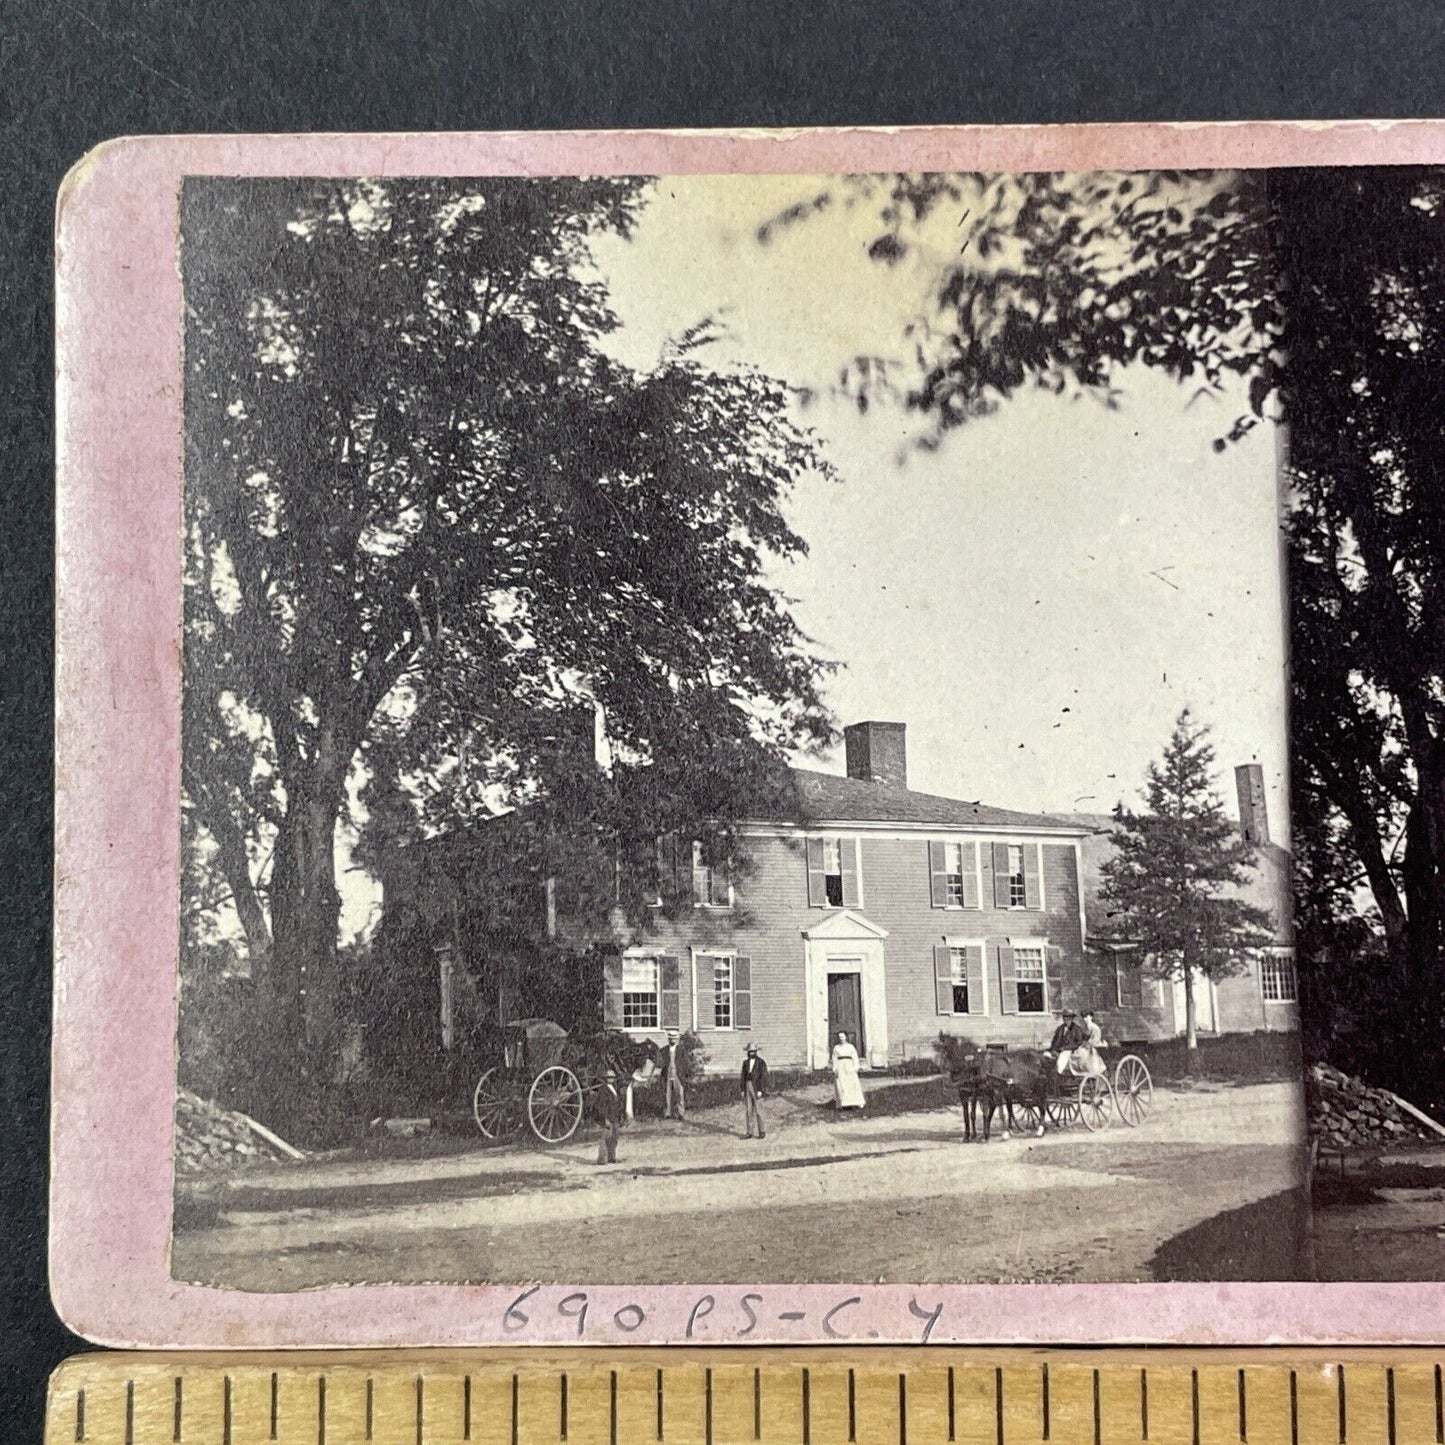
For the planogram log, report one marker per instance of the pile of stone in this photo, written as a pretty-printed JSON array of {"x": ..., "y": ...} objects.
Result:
[
  {"x": 1345, "y": 1112},
  {"x": 210, "y": 1139}
]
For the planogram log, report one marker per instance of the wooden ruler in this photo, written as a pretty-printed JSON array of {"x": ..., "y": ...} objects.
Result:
[{"x": 742, "y": 1396}]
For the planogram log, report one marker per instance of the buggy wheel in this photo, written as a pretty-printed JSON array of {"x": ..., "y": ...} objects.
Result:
[
  {"x": 1133, "y": 1090},
  {"x": 554, "y": 1104},
  {"x": 1026, "y": 1116},
  {"x": 1064, "y": 1111},
  {"x": 495, "y": 1106},
  {"x": 1096, "y": 1101}
]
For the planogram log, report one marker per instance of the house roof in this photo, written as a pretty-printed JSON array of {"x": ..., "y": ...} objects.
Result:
[{"x": 828, "y": 798}]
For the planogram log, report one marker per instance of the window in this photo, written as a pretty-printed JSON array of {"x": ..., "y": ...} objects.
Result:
[
  {"x": 1128, "y": 982},
  {"x": 833, "y": 871},
  {"x": 639, "y": 993},
  {"x": 959, "y": 961},
  {"x": 1277, "y": 978},
  {"x": 1018, "y": 893},
  {"x": 709, "y": 881},
  {"x": 722, "y": 993},
  {"x": 953, "y": 873},
  {"x": 1031, "y": 984}
]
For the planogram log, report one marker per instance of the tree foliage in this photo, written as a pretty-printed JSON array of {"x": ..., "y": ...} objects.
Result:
[
  {"x": 1172, "y": 886},
  {"x": 1322, "y": 291},
  {"x": 429, "y": 517}
]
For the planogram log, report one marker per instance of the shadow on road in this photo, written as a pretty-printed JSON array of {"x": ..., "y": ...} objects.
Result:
[
  {"x": 261, "y": 1199},
  {"x": 1260, "y": 1241}
]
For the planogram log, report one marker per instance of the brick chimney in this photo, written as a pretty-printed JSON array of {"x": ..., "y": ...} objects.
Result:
[
  {"x": 876, "y": 752},
  {"x": 1253, "y": 815}
]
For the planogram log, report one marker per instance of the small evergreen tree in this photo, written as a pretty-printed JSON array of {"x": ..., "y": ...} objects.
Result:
[{"x": 1172, "y": 884}]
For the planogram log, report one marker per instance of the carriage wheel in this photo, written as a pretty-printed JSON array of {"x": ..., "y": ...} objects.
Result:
[
  {"x": 1133, "y": 1090},
  {"x": 554, "y": 1104},
  {"x": 1026, "y": 1115},
  {"x": 1063, "y": 1111},
  {"x": 495, "y": 1106},
  {"x": 1096, "y": 1101}
]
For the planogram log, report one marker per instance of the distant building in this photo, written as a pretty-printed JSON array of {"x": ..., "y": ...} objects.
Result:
[{"x": 1264, "y": 996}]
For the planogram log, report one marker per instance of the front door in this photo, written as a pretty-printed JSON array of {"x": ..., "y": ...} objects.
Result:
[{"x": 845, "y": 1009}]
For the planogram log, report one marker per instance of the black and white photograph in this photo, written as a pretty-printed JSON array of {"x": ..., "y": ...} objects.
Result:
[{"x": 791, "y": 729}]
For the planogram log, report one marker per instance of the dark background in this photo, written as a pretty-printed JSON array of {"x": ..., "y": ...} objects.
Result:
[{"x": 74, "y": 74}]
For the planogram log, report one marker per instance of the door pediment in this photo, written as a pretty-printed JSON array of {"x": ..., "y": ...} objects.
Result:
[{"x": 841, "y": 924}]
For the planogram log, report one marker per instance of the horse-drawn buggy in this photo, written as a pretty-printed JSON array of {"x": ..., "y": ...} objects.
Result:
[
  {"x": 1027, "y": 1085},
  {"x": 541, "y": 1082}
]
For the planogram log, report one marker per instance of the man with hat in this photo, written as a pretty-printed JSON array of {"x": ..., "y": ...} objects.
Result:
[
  {"x": 754, "y": 1085},
  {"x": 608, "y": 1108},
  {"x": 1067, "y": 1037},
  {"x": 671, "y": 1066}
]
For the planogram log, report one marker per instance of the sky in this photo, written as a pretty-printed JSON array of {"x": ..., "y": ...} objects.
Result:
[{"x": 1037, "y": 599}]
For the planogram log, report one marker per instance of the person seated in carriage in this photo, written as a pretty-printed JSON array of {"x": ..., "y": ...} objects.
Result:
[
  {"x": 1086, "y": 1055},
  {"x": 1069, "y": 1036}
]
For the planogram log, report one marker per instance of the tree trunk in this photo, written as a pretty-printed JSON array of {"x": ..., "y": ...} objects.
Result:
[
  {"x": 301, "y": 982},
  {"x": 1191, "y": 1031}
]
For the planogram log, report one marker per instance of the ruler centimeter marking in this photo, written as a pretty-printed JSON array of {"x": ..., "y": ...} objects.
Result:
[{"x": 728, "y": 1397}]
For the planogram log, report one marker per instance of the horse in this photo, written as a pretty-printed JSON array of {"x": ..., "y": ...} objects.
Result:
[
  {"x": 1024, "y": 1076},
  {"x": 980, "y": 1093}
]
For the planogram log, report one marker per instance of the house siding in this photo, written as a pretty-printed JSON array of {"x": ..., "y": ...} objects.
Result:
[{"x": 771, "y": 915}]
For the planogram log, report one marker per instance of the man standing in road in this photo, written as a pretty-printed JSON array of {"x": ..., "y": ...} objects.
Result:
[
  {"x": 671, "y": 1065},
  {"x": 754, "y": 1085},
  {"x": 608, "y": 1109}
]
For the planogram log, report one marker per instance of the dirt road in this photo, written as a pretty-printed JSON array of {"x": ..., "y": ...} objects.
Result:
[
  {"x": 1205, "y": 1189},
  {"x": 1382, "y": 1221}
]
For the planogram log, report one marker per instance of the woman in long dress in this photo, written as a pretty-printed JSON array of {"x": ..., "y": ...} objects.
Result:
[{"x": 847, "y": 1091}]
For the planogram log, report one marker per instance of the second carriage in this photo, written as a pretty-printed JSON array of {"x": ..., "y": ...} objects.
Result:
[{"x": 540, "y": 1083}]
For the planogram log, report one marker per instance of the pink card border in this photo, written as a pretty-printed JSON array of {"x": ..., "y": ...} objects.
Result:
[{"x": 117, "y": 778}]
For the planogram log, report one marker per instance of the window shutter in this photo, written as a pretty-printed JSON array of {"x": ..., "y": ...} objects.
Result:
[
  {"x": 848, "y": 853},
  {"x": 742, "y": 992},
  {"x": 683, "y": 857},
  {"x": 817, "y": 884},
  {"x": 1053, "y": 977},
  {"x": 669, "y": 1013},
  {"x": 1008, "y": 990},
  {"x": 703, "y": 963},
  {"x": 937, "y": 876},
  {"x": 973, "y": 963},
  {"x": 970, "y": 875},
  {"x": 943, "y": 978},
  {"x": 612, "y": 992},
  {"x": 1033, "y": 885},
  {"x": 1000, "y": 875},
  {"x": 722, "y": 880}
]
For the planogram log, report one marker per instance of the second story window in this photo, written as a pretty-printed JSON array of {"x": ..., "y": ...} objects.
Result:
[
  {"x": 689, "y": 871},
  {"x": 833, "y": 873},
  {"x": 953, "y": 876},
  {"x": 1017, "y": 890},
  {"x": 709, "y": 881},
  {"x": 1017, "y": 875}
]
